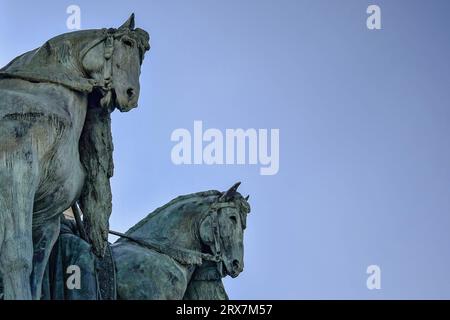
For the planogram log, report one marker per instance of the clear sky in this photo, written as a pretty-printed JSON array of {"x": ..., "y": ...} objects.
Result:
[{"x": 363, "y": 115}]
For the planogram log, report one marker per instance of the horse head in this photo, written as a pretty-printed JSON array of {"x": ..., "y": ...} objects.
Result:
[
  {"x": 115, "y": 62},
  {"x": 103, "y": 62},
  {"x": 222, "y": 230}
]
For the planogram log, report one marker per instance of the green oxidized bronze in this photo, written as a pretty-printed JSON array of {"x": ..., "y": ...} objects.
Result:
[
  {"x": 56, "y": 145},
  {"x": 56, "y": 153}
]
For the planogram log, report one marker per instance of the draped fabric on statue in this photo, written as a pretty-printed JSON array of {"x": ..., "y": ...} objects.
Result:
[
  {"x": 56, "y": 150},
  {"x": 70, "y": 250}
]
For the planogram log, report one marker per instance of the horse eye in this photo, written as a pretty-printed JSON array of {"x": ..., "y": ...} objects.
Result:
[
  {"x": 233, "y": 218},
  {"x": 128, "y": 42}
]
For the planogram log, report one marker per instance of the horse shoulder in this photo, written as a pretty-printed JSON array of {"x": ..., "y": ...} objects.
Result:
[
  {"x": 38, "y": 100},
  {"x": 26, "y": 117},
  {"x": 146, "y": 274}
]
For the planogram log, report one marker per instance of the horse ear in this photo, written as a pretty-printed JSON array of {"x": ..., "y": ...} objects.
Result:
[
  {"x": 206, "y": 231},
  {"x": 231, "y": 192},
  {"x": 129, "y": 24}
]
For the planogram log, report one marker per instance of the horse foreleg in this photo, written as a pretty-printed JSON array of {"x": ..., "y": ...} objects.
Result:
[
  {"x": 15, "y": 261},
  {"x": 44, "y": 237},
  {"x": 17, "y": 190}
]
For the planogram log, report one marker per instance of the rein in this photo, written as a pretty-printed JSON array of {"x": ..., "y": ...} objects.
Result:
[{"x": 164, "y": 249}]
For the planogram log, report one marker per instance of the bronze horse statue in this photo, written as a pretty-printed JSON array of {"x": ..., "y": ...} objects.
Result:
[
  {"x": 183, "y": 249},
  {"x": 55, "y": 143}
]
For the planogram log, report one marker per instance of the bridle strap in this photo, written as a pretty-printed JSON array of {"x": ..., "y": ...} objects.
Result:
[
  {"x": 106, "y": 83},
  {"x": 107, "y": 65},
  {"x": 214, "y": 212}
]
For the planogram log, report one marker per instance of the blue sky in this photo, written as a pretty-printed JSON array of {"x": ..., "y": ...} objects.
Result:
[{"x": 364, "y": 132}]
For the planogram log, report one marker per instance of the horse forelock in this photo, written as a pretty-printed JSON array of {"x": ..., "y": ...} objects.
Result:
[
  {"x": 243, "y": 206},
  {"x": 141, "y": 37}
]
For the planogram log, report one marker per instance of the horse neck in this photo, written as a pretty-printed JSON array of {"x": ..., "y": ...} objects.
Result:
[
  {"x": 174, "y": 226},
  {"x": 59, "y": 61}
]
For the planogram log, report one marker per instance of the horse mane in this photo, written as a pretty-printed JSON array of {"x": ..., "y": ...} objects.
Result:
[
  {"x": 56, "y": 61},
  {"x": 192, "y": 207},
  {"x": 181, "y": 255},
  {"x": 201, "y": 194}
]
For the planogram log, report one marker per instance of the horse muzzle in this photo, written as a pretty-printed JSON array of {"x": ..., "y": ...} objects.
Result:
[
  {"x": 234, "y": 268},
  {"x": 127, "y": 100}
]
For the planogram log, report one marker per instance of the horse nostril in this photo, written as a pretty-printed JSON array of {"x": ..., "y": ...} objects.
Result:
[
  {"x": 236, "y": 264},
  {"x": 130, "y": 92}
]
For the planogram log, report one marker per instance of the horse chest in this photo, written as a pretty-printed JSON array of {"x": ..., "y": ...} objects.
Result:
[
  {"x": 60, "y": 185},
  {"x": 61, "y": 174}
]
